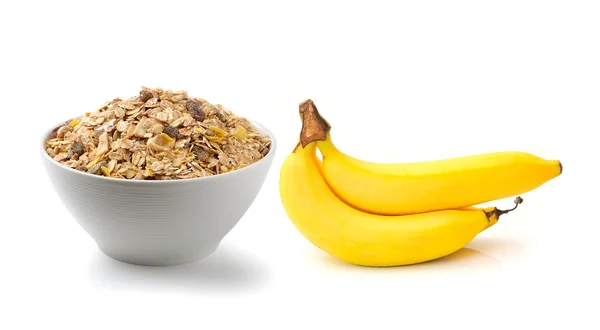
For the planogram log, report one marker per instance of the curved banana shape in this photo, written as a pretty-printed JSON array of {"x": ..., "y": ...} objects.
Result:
[
  {"x": 367, "y": 239},
  {"x": 406, "y": 188}
]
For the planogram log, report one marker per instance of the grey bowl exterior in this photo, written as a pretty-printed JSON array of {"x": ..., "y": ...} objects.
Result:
[{"x": 158, "y": 223}]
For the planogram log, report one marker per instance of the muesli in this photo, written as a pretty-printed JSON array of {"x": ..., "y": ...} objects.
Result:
[{"x": 158, "y": 135}]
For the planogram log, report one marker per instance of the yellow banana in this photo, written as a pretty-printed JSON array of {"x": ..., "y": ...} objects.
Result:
[
  {"x": 407, "y": 188},
  {"x": 369, "y": 239}
]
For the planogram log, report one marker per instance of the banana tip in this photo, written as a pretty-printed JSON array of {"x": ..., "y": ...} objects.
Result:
[{"x": 561, "y": 167}]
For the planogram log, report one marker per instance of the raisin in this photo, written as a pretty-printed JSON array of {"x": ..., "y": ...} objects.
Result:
[
  {"x": 145, "y": 96},
  {"x": 199, "y": 116},
  {"x": 54, "y": 132},
  {"x": 201, "y": 154},
  {"x": 76, "y": 149},
  {"x": 172, "y": 132},
  {"x": 192, "y": 106},
  {"x": 194, "y": 109}
]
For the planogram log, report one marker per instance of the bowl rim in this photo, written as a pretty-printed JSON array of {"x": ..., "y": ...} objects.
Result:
[{"x": 260, "y": 127}]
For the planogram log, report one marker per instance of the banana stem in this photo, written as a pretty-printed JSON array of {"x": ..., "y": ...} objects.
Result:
[
  {"x": 495, "y": 214},
  {"x": 314, "y": 126},
  {"x": 518, "y": 201}
]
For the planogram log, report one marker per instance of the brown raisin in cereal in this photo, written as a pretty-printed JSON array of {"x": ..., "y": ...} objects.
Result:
[
  {"x": 194, "y": 109},
  {"x": 172, "y": 132},
  {"x": 201, "y": 153},
  {"x": 145, "y": 96},
  {"x": 54, "y": 132},
  {"x": 76, "y": 148}
]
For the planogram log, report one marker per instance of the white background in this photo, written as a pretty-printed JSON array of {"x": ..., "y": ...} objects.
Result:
[{"x": 398, "y": 81}]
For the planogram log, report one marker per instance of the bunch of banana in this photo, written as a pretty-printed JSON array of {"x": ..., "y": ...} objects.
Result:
[{"x": 397, "y": 214}]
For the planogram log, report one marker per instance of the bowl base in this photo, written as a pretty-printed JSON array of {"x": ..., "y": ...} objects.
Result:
[{"x": 157, "y": 260}]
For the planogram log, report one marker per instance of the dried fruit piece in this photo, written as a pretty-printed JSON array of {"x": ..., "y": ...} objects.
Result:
[
  {"x": 192, "y": 106},
  {"x": 217, "y": 130},
  {"x": 63, "y": 130},
  {"x": 145, "y": 96},
  {"x": 76, "y": 148},
  {"x": 201, "y": 153},
  {"x": 194, "y": 109},
  {"x": 172, "y": 132},
  {"x": 105, "y": 170},
  {"x": 54, "y": 132},
  {"x": 215, "y": 138},
  {"x": 240, "y": 133}
]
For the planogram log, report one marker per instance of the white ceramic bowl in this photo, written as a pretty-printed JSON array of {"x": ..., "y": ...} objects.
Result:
[{"x": 158, "y": 223}]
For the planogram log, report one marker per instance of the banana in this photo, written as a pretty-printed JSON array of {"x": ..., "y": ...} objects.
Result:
[
  {"x": 407, "y": 188},
  {"x": 367, "y": 239}
]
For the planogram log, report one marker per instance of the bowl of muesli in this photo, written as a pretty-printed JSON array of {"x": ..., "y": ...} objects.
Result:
[{"x": 158, "y": 178}]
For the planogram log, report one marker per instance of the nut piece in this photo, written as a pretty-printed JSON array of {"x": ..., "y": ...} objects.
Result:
[
  {"x": 161, "y": 142},
  {"x": 157, "y": 128},
  {"x": 143, "y": 127},
  {"x": 102, "y": 144},
  {"x": 222, "y": 117},
  {"x": 94, "y": 169},
  {"x": 63, "y": 130},
  {"x": 194, "y": 109}
]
